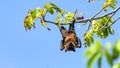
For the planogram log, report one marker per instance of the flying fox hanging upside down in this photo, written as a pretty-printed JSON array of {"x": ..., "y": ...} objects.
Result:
[{"x": 70, "y": 40}]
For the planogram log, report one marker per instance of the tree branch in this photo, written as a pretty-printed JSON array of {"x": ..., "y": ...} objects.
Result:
[
  {"x": 94, "y": 17},
  {"x": 103, "y": 27},
  {"x": 99, "y": 12},
  {"x": 108, "y": 13},
  {"x": 112, "y": 23},
  {"x": 89, "y": 19}
]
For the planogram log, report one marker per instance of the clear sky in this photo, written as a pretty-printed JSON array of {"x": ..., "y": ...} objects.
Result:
[{"x": 39, "y": 48}]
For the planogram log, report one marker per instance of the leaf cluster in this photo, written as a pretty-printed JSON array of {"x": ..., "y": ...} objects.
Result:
[
  {"x": 109, "y": 3},
  {"x": 99, "y": 25},
  {"x": 96, "y": 29},
  {"x": 97, "y": 51},
  {"x": 39, "y": 13}
]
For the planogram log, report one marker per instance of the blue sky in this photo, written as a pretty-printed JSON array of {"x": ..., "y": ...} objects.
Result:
[{"x": 39, "y": 48}]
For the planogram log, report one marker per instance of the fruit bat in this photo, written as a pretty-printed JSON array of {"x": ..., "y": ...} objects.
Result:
[{"x": 70, "y": 40}]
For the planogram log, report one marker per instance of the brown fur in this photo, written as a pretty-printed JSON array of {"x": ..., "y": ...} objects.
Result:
[{"x": 70, "y": 37}]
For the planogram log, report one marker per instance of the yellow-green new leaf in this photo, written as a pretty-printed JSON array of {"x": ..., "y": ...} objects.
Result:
[
  {"x": 43, "y": 12},
  {"x": 39, "y": 12},
  {"x": 105, "y": 6},
  {"x": 66, "y": 21},
  {"x": 39, "y": 9},
  {"x": 110, "y": 3},
  {"x": 88, "y": 38},
  {"x": 49, "y": 8},
  {"x": 62, "y": 12},
  {"x": 68, "y": 18},
  {"x": 33, "y": 14},
  {"x": 43, "y": 23},
  {"x": 28, "y": 23}
]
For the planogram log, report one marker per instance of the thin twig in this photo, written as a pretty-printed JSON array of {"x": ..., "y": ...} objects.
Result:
[
  {"x": 89, "y": 26},
  {"x": 94, "y": 17},
  {"x": 108, "y": 13},
  {"x": 105, "y": 23},
  {"x": 113, "y": 13},
  {"x": 112, "y": 23},
  {"x": 99, "y": 12}
]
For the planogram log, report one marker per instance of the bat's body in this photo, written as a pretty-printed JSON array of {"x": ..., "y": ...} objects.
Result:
[{"x": 70, "y": 40}]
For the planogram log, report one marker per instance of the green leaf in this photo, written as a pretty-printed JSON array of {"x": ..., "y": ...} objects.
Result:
[
  {"x": 109, "y": 3},
  {"x": 99, "y": 62},
  {"x": 43, "y": 13},
  {"x": 105, "y": 33},
  {"x": 96, "y": 47},
  {"x": 28, "y": 23},
  {"x": 50, "y": 7},
  {"x": 109, "y": 57},
  {"x": 92, "y": 59},
  {"x": 115, "y": 53},
  {"x": 33, "y": 14},
  {"x": 69, "y": 17},
  {"x": 39, "y": 12},
  {"x": 117, "y": 45},
  {"x": 55, "y": 7},
  {"x": 103, "y": 22},
  {"x": 58, "y": 21},
  {"x": 111, "y": 31},
  {"x": 51, "y": 11},
  {"x": 66, "y": 21},
  {"x": 88, "y": 38},
  {"x": 105, "y": 5},
  {"x": 112, "y": 3},
  {"x": 116, "y": 49}
]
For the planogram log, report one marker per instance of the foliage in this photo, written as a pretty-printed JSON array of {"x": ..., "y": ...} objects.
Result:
[
  {"x": 101, "y": 26},
  {"x": 116, "y": 66},
  {"x": 97, "y": 51},
  {"x": 102, "y": 33},
  {"x": 40, "y": 13},
  {"x": 109, "y": 3}
]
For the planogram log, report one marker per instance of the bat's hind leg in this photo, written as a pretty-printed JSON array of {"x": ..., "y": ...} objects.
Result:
[
  {"x": 61, "y": 45},
  {"x": 78, "y": 43}
]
